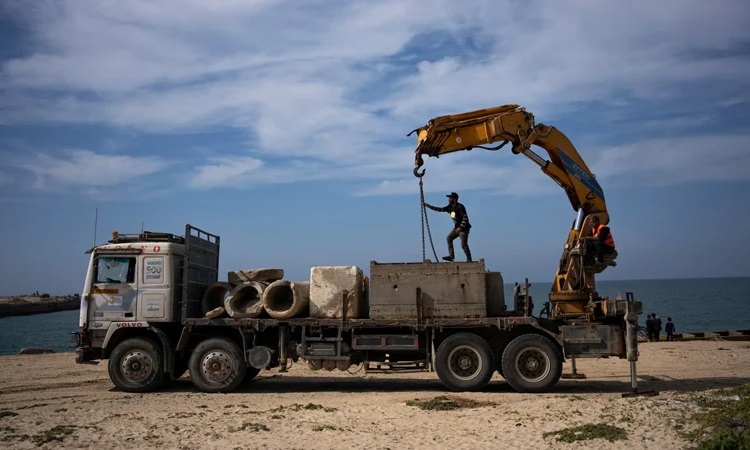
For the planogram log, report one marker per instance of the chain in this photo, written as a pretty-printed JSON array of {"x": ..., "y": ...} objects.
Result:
[{"x": 425, "y": 224}]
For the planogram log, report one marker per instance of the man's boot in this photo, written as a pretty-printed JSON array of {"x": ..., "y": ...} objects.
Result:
[{"x": 448, "y": 258}]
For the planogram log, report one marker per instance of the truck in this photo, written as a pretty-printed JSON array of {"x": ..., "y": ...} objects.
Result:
[{"x": 144, "y": 303}]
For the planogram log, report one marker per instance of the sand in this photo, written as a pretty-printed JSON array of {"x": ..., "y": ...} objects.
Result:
[{"x": 306, "y": 409}]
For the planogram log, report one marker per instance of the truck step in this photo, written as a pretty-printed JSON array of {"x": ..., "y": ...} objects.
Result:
[{"x": 400, "y": 366}]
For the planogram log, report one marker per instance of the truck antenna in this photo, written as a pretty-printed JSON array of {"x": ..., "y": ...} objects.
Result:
[{"x": 96, "y": 218}]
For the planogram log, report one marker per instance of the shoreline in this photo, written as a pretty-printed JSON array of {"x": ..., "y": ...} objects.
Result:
[{"x": 47, "y": 394}]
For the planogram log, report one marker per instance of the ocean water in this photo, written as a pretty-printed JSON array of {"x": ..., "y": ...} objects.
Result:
[
  {"x": 694, "y": 304},
  {"x": 709, "y": 304}
]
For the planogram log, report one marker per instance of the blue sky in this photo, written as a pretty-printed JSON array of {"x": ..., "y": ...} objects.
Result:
[{"x": 281, "y": 127}]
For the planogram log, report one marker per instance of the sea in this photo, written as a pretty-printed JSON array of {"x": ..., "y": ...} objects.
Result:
[{"x": 695, "y": 304}]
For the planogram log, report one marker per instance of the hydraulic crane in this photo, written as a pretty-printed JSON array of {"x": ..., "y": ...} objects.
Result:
[{"x": 573, "y": 293}]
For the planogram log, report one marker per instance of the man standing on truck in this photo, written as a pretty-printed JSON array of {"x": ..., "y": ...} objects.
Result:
[{"x": 461, "y": 225}]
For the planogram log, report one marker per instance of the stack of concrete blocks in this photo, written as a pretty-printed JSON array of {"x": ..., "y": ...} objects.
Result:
[
  {"x": 333, "y": 288},
  {"x": 245, "y": 300}
]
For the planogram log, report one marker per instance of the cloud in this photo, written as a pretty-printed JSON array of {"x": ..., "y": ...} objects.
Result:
[
  {"x": 226, "y": 172},
  {"x": 84, "y": 168},
  {"x": 315, "y": 106},
  {"x": 675, "y": 161}
]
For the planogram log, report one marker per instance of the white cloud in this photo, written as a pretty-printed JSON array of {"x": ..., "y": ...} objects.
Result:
[
  {"x": 326, "y": 90},
  {"x": 675, "y": 161},
  {"x": 84, "y": 168},
  {"x": 226, "y": 172}
]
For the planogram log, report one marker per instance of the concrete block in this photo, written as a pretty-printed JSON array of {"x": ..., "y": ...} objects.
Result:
[
  {"x": 327, "y": 287},
  {"x": 265, "y": 275},
  {"x": 427, "y": 290},
  {"x": 216, "y": 312}
]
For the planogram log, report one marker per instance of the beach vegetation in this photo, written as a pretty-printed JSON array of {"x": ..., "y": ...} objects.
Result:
[
  {"x": 723, "y": 421},
  {"x": 587, "y": 432},
  {"x": 444, "y": 403}
]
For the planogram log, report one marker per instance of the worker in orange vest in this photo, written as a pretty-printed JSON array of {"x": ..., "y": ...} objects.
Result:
[{"x": 602, "y": 237}]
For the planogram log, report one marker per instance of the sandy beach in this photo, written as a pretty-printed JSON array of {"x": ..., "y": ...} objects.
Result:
[{"x": 49, "y": 401}]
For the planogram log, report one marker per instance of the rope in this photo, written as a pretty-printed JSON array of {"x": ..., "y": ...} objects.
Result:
[{"x": 425, "y": 224}]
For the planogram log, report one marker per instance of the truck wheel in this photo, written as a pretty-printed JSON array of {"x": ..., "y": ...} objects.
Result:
[
  {"x": 217, "y": 365},
  {"x": 532, "y": 363},
  {"x": 464, "y": 362},
  {"x": 136, "y": 365}
]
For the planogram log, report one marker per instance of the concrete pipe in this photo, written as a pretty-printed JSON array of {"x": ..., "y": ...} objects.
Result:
[
  {"x": 214, "y": 296},
  {"x": 245, "y": 300},
  {"x": 286, "y": 299}
]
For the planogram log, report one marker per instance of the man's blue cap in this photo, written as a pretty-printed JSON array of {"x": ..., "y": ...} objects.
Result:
[{"x": 452, "y": 195}]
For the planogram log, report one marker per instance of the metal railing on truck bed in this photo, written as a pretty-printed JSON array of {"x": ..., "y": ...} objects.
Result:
[{"x": 201, "y": 269}]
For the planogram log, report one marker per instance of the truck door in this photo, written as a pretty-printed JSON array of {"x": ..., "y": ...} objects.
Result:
[{"x": 114, "y": 289}]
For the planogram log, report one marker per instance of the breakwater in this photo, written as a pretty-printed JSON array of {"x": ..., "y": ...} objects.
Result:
[{"x": 24, "y": 306}]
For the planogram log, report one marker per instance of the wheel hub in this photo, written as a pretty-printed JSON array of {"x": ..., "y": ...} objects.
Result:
[
  {"x": 464, "y": 362},
  {"x": 136, "y": 366},
  {"x": 217, "y": 366},
  {"x": 533, "y": 364}
]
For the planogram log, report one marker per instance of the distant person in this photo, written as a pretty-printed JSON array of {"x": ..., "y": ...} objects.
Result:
[
  {"x": 601, "y": 239},
  {"x": 657, "y": 327},
  {"x": 650, "y": 328},
  {"x": 669, "y": 328},
  {"x": 461, "y": 225}
]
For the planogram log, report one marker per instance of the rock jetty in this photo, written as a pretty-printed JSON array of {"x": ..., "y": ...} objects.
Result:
[{"x": 33, "y": 304}]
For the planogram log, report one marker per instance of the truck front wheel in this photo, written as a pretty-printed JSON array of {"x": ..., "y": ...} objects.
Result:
[
  {"x": 217, "y": 365},
  {"x": 531, "y": 363},
  {"x": 136, "y": 365},
  {"x": 464, "y": 362}
]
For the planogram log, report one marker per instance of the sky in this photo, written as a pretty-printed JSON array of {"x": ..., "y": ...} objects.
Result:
[{"x": 281, "y": 126}]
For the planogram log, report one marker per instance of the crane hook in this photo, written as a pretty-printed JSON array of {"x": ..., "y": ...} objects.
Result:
[{"x": 419, "y": 162}]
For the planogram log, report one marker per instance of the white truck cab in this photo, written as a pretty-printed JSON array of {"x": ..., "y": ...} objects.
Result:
[
  {"x": 132, "y": 282},
  {"x": 144, "y": 281}
]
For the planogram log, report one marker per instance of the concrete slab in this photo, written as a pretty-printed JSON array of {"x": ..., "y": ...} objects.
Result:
[{"x": 327, "y": 287}]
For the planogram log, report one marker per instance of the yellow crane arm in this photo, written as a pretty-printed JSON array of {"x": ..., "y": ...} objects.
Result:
[
  {"x": 513, "y": 124},
  {"x": 574, "y": 284}
]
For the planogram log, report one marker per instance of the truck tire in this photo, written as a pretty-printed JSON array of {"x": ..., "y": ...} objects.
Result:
[
  {"x": 136, "y": 365},
  {"x": 217, "y": 365},
  {"x": 464, "y": 362},
  {"x": 532, "y": 363}
]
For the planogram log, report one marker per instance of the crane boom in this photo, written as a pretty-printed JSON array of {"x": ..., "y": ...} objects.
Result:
[
  {"x": 574, "y": 284},
  {"x": 511, "y": 123}
]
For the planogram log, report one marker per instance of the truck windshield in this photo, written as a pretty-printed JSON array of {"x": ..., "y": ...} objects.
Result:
[{"x": 112, "y": 269}]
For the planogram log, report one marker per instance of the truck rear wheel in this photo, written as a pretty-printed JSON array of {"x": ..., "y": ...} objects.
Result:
[
  {"x": 531, "y": 363},
  {"x": 136, "y": 365},
  {"x": 464, "y": 362},
  {"x": 217, "y": 365}
]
